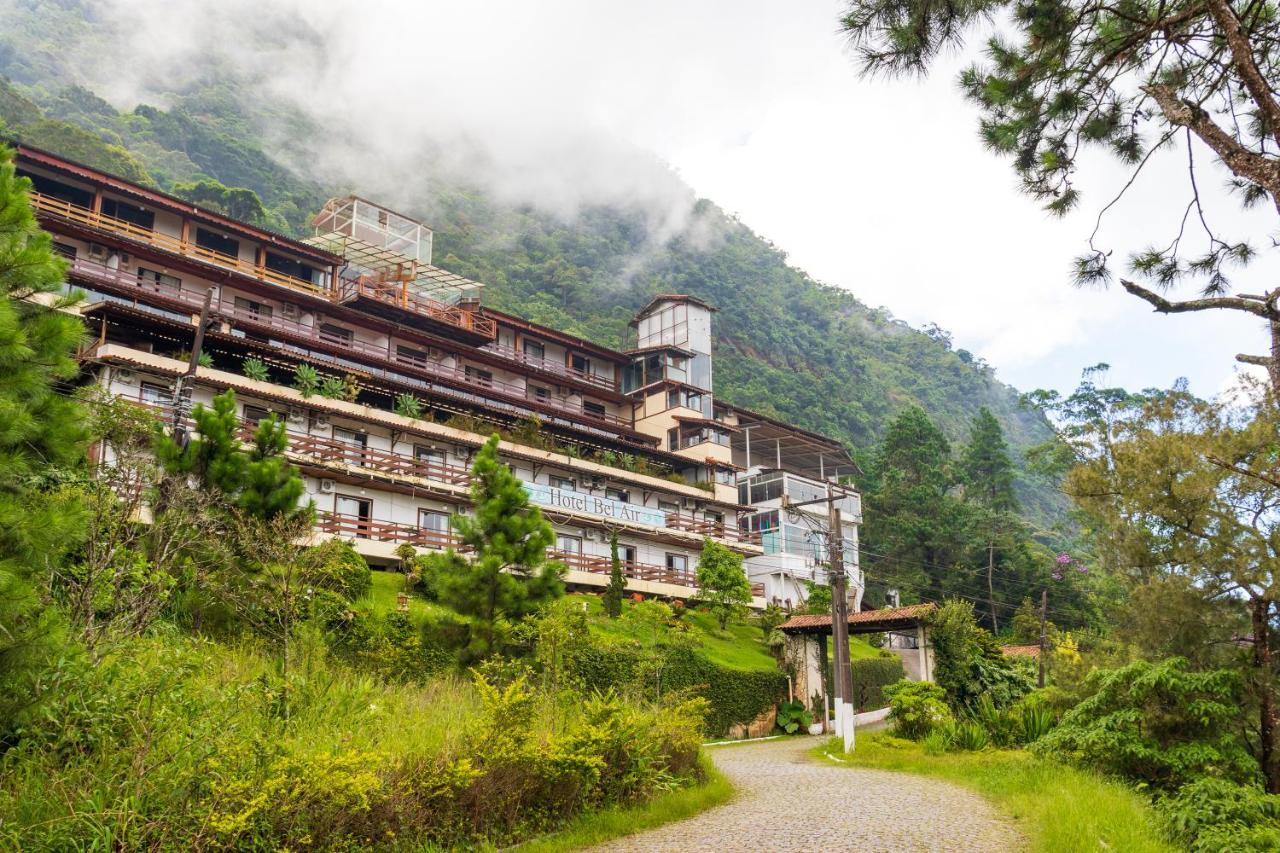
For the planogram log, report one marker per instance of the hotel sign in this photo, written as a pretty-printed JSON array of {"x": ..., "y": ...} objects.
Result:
[{"x": 554, "y": 497}]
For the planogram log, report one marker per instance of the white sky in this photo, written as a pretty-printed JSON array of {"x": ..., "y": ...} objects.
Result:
[{"x": 880, "y": 187}]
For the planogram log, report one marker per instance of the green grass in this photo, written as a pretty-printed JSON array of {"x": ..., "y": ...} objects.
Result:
[
  {"x": 1058, "y": 809},
  {"x": 606, "y": 824},
  {"x": 382, "y": 598}
]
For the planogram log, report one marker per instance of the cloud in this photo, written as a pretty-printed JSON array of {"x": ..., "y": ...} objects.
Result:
[{"x": 879, "y": 187}]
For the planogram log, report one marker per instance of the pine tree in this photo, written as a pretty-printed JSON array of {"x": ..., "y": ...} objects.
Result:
[
  {"x": 722, "y": 583},
  {"x": 506, "y": 576},
  {"x": 42, "y": 430},
  {"x": 915, "y": 528},
  {"x": 272, "y": 485},
  {"x": 617, "y": 583},
  {"x": 987, "y": 472},
  {"x": 986, "y": 467}
]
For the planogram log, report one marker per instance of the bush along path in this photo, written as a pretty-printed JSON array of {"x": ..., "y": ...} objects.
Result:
[{"x": 788, "y": 801}]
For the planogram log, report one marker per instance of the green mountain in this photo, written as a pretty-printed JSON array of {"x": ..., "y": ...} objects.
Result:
[{"x": 787, "y": 345}]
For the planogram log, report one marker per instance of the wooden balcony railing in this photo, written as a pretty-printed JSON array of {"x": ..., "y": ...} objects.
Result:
[
  {"x": 397, "y": 294},
  {"x": 333, "y": 451},
  {"x": 337, "y": 524},
  {"x": 56, "y": 207},
  {"x": 127, "y": 285},
  {"x": 549, "y": 366}
]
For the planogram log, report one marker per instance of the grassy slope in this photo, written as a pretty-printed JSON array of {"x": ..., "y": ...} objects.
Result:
[{"x": 1058, "y": 808}]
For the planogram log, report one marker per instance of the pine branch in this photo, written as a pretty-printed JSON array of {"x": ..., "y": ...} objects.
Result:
[{"x": 1164, "y": 306}]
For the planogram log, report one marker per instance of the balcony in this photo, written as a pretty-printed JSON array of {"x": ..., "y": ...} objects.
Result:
[
  {"x": 66, "y": 211},
  {"x": 337, "y": 524},
  {"x": 334, "y": 452},
  {"x": 395, "y": 301},
  {"x": 127, "y": 285},
  {"x": 553, "y": 367},
  {"x": 633, "y": 570}
]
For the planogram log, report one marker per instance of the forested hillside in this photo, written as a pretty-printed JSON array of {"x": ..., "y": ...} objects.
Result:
[{"x": 788, "y": 345}]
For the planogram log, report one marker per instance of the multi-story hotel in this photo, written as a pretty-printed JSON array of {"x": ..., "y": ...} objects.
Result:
[{"x": 633, "y": 442}]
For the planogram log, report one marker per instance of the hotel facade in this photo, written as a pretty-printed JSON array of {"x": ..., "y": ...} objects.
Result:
[{"x": 417, "y": 372}]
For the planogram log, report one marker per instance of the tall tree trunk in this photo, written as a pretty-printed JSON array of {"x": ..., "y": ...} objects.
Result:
[
  {"x": 1273, "y": 366},
  {"x": 1266, "y": 689}
]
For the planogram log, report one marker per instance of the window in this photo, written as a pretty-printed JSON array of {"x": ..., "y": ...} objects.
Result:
[
  {"x": 596, "y": 410},
  {"x": 724, "y": 476},
  {"x": 256, "y": 310},
  {"x": 668, "y": 506},
  {"x": 336, "y": 334},
  {"x": 436, "y": 525},
  {"x": 412, "y": 356},
  {"x": 429, "y": 455},
  {"x": 563, "y": 483},
  {"x": 534, "y": 350},
  {"x": 478, "y": 376},
  {"x": 677, "y": 563},
  {"x": 156, "y": 394},
  {"x": 693, "y": 400},
  {"x": 673, "y": 439},
  {"x": 359, "y": 440},
  {"x": 67, "y": 251},
  {"x": 59, "y": 190},
  {"x": 540, "y": 394},
  {"x": 158, "y": 278},
  {"x": 354, "y": 514},
  {"x": 216, "y": 242},
  {"x": 619, "y": 495},
  {"x": 627, "y": 554},
  {"x": 580, "y": 363},
  {"x": 130, "y": 213},
  {"x": 256, "y": 414},
  {"x": 568, "y": 544},
  {"x": 673, "y": 398},
  {"x": 290, "y": 267},
  {"x": 715, "y": 518}
]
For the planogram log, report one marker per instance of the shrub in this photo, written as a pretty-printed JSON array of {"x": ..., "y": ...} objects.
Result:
[
  {"x": 1002, "y": 726},
  {"x": 1157, "y": 724},
  {"x": 336, "y": 566},
  {"x": 940, "y": 738},
  {"x": 970, "y": 736},
  {"x": 1212, "y": 815},
  {"x": 968, "y": 662},
  {"x": 1034, "y": 723},
  {"x": 915, "y": 707},
  {"x": 871, "y": 676},
  {"x": 794, "y": 717},
  {"x": 256, "y": 369}
]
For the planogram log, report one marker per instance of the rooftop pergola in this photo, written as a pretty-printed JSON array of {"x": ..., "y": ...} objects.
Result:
[{"x": 769, "y": 442}]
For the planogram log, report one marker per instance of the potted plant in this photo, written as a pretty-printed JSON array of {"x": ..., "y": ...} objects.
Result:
[{"x": 817, "y": 716}]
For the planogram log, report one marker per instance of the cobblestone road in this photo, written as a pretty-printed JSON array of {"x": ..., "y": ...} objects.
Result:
[{"x": 787, "y": 801}]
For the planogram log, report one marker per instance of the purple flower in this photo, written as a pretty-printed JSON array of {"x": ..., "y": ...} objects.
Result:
[
  {"x": 1082, "y": 569},
  {"x": 1064, "y": 559},
  {"x": 1058, "y": 576}
]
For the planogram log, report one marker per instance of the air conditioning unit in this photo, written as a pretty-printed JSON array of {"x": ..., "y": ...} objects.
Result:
[
  {"x": 289, "y": 310},
  {"x": 125, "y": 377},
  {"x": 327, "y": 487},
  {"x": 321, "y": 419},
  {"x": 124, "y": 258},
  {"x": 97, "y": 251},
  {"x": 589, "y": 535},
  {"x": 296, "y": 415}
]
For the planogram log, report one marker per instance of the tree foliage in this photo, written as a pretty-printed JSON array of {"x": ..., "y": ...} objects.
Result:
[
  {"x": 722, "y": 583},
  {"x": 504, "y": 574},
  {"x": 1129, "y": 78}
]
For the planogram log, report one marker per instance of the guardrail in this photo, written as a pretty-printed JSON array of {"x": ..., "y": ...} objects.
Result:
[
  {"x": 405, "y": 299},
  {"x": 61, "y": 209}
]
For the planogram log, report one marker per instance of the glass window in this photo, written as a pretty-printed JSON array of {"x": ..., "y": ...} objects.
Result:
[
  {"x": 423, "y": 453},
  {"x": 534, "y": 349},
  {"x": 289, "y": 267},
  {"x": 216, "y": 242},
  {"x": 433, "y": 520},
  {"x": 351, "y": 436},
  {"x": 668, "y": 506},
  {"x": 153, "y": 277},
  {"x": 155, "y": 393},
  {"x": 594, "y": 409},
  {"x": 130, "y": 213},
  {"x": 673, "y": 439},
  {"x": 568, "y": 544},
  {"x": 619, "y": 495},
  {"x": 542, "y": 395},
  {"x": 256, "y": 414},
  {"x": 253, "y": 309},
  {"x": 563, "y": 483},
  {"x": 481, "y": 377},
  {"x": 580, "y": 363},
  {"x": 673, "y": 398},
  {"x": 336, "y": 334},
  {"x": 677, "y": 562}
]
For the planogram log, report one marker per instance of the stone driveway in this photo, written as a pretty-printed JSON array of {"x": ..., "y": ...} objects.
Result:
[{"x": 787, "y": 801}]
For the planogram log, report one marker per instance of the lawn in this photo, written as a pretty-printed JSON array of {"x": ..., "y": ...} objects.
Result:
[{"x": 1059, "y": 809}]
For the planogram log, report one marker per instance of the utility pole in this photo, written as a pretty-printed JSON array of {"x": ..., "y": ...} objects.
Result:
[
  {"x": 1044, "y": 638},
  {"x": 841, "y": 675},
  {"x": 185, "y": 385},
  {"x": 842, "y": 680}
]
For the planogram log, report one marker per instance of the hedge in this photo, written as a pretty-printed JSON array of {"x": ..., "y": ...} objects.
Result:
[
  {"x": 871, "y": 676},
  {"x": 736, "y": 696}
]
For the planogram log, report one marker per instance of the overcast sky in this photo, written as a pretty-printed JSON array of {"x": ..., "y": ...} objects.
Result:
[{"x": 880, "y": 187}]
